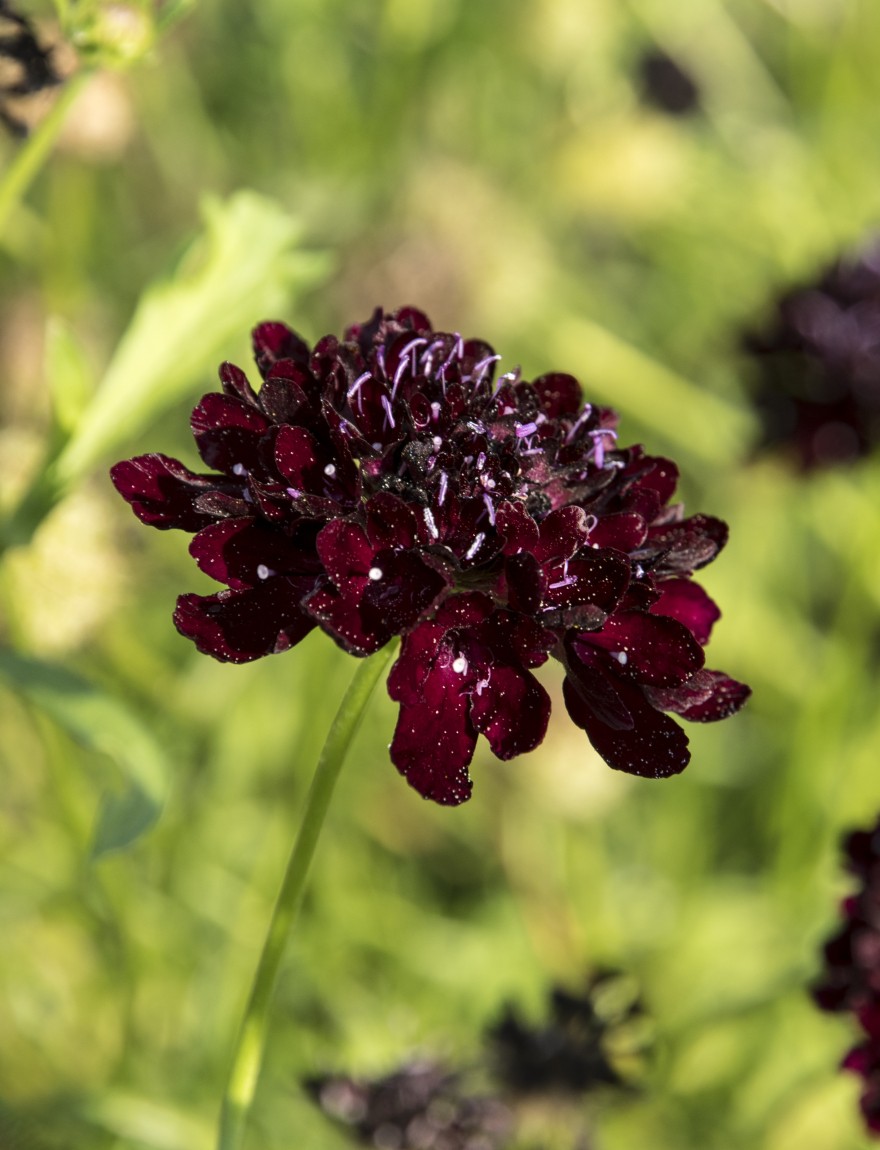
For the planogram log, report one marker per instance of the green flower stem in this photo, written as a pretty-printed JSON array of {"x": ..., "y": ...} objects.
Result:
[
  {"x": 31, "y": 156},
  {"x": 250, "y": 1045}
]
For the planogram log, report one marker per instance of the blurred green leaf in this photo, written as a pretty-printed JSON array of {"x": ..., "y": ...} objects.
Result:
[
  {"x": 103, "y": 724},
  {"x": 70, "y": 378},
  {"x": 241, "y": 270}
]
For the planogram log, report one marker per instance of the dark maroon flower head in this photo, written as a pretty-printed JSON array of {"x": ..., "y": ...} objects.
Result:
[
  {"x": 851, "y": 980},
  {"x": 395, "y": 484},
  {"x": 817, "y": 365},
  {"x": 565, "y": 1055},
  {"x": 417, "y": 1107}
]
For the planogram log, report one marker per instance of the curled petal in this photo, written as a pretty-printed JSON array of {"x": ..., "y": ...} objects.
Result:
[
  {"x": 687, "y": 545},
  {"x": 706, "y": 697},
  {"x": 162, "y": 492},
  {"x": 654, "y": 747},
  {"x": 238, "y": 626},
  {"x": 273, "y": 341}
]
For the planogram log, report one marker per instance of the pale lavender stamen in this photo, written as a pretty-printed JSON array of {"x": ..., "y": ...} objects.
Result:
[
  {"x": 490, "y": 507},
  {"x": 582, "y": 418},
  {"x": 563, "y": 583},
  {"x": 475, "y": 546},
  {"x": 432, "y": 526},
  {"x": 481, "y": 461},
  {"x": 389, "y": 415},
  {"x": 523, "y": 430},
  {"x": 481, "y": 367},
  {"x": 294, "y": 492},
  {"x": 444, "y": 480}
]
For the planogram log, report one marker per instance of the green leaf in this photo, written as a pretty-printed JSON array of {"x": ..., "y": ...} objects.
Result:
[
  {"x": 70, "y": 378},
  {"x": 240, "y": 271},
  {"x": 103, "y": 724}
]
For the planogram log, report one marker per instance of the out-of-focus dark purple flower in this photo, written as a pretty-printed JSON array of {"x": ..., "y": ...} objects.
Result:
[
  {"x": 395, "y": 484},
  {"x": 418, "y": 1107},
  {"x": 568, "y": 1054},
  {"x": 25, "y": 67},
  {"x": 665, "y": 84},
  {"x": 817, "y": 378},
  {"x": 851, "y": 979}
]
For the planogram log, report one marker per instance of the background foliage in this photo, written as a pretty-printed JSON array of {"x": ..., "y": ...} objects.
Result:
[{"x": 492, "y": 163}]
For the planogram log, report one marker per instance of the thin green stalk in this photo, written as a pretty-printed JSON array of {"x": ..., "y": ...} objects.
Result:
[
  {"x": 32, "y": 154},
  {"x": 250, "y": 1045}
]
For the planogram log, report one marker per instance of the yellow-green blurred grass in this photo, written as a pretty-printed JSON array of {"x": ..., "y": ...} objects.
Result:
[{"x": 493, "y": 164}]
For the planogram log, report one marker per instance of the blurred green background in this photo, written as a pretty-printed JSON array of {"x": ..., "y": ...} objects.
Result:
[{"x": 492, "y": 163}]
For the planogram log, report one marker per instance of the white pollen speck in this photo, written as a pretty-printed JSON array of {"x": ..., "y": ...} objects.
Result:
[
  {"x": 330, "y": 470},
  {"x": 375, "y": 573},
  {"x": 263, "y": 571},
  {"x": 460, "y": 665}
]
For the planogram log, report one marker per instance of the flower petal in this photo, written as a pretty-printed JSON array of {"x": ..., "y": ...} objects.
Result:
[
  {"x": 511, "y": 709},
  {"x": 162, "y": 492},
  {"x": 686, "y": 601},
  {"x": 434, "y": 739},
  {"x": 706, "y": 697},
  {"x": 273, "y": 341},
  {"x": 238, "y": 626},
  {"x": 655, "y": 747},
  {"x": 228, "y": 433},
  {"x": 652, "y": 649},
  {"x": 246, "y": 552},
  {"x": 559, "y": 394}
]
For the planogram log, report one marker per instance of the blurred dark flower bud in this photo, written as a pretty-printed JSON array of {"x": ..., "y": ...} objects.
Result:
[{"x": 665, "y": 85}]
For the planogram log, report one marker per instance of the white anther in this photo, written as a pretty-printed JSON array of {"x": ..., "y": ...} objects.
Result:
[
  {"x": 330, "y": 470},
  {"x": 438, "y": 442},
  {"x": 263, "y": 571},
  {"x": 444, "y": 481},
  {"x": 621, "y": 657},
  {"x": 460, "y": 665},
  {"x": 239, "y": 469},
  {"x": 475, "y": 546},
  {"x": 375, "y": 573},
  {"x": 432, "y": 526}
]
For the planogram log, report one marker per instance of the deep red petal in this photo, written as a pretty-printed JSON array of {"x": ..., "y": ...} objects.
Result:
[
  {"x": 241, "y": 625},
  {"x": 246, "y": 552},
  {"x": 655, "y": 748},
  {"x": 228, "y": 432},
  {"x": 511, "y": 709},
  {"x": 560, "y": 394},
  {"x": 162, "y": 492},
  {"x": 434, "y": 739},
  {"x": 652, "y": 649},
  {"x": 686, "y": 601}
]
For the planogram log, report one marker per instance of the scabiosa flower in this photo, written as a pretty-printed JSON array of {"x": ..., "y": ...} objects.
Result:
[
  {"x": 817, "y": 377},
  {"x": 25, "y": 67},
  {"x": 851, "y": 981},
  {"x": 395, "y": 484},
  {"x": 568, "y": 1054},
  {"x": 420, "y": 1106}
]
